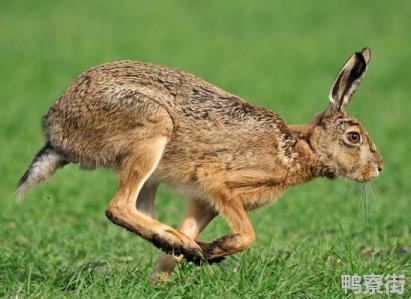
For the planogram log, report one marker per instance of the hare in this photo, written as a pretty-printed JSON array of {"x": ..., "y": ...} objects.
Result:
[{"x": 152, "y": 124}]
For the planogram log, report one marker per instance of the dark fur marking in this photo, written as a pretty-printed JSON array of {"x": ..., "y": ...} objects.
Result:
[
  {"x": 221, "y": 244},
  {"x": 210, "y": 248},
  {"x": 189, "y": 254},
  {"x": 262, "y": 183}
]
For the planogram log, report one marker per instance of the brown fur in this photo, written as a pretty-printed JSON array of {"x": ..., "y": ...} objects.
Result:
[{"x": 154, "y": 124}]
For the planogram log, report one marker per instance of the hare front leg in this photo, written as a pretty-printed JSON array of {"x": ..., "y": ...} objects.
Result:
[
  {"x": 197, "y": 217},
  {"x": 243, "y": 235},
  {"x": 122, "y": 210}
]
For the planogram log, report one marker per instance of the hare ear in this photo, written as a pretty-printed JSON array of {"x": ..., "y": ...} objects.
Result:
[{"x": 348, "y": 79}]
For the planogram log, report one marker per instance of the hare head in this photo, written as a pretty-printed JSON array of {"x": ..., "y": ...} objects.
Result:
[{"x": 340, "y": 142}]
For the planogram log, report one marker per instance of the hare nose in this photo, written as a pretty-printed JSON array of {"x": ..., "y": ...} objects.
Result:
[
  {"x": 380, "y": 166},
  {"x": 380, "y": 162}
]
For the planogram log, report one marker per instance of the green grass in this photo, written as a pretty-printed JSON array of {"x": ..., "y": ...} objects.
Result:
[{"x": 283, "y": 55}]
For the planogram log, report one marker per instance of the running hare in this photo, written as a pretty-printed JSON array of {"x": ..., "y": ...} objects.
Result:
[{"x": 153, "y": 124}]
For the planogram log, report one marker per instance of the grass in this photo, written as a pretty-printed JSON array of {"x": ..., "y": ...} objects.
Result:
[{"x": 282, "y": 55}]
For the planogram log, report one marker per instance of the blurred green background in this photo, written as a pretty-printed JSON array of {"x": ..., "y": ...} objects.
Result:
[{"x": 280, "y": 54}]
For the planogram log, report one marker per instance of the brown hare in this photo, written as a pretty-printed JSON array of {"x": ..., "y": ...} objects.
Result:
[{"x": 153, "y": 124}]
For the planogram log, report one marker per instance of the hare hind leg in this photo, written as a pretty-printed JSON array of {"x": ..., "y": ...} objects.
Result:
[
  {"x": 146, "y": 199},
  {"x": 135, "y": 171}
]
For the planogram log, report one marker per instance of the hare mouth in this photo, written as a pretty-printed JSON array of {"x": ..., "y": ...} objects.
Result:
[{"x": 366, "y": 179}]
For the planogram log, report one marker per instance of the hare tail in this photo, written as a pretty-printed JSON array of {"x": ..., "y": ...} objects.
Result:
[{"x": 44, "y": 164}]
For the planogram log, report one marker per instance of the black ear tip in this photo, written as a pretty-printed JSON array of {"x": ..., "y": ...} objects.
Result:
[
  {"x": 360, "y": 65},
  {"x": 360, "y": 57}
]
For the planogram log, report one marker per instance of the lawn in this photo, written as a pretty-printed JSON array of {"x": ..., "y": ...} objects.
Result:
[{"x": 283, "y": 55}]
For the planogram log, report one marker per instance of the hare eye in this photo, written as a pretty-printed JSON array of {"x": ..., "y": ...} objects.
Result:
[{"x": 353, "y": 137}]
